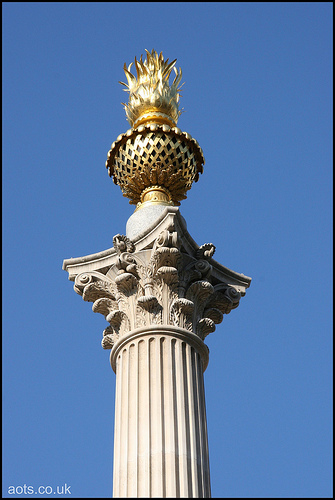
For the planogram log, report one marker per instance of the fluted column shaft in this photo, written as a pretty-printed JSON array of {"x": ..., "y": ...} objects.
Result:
[{"x": 160, "y": 440}]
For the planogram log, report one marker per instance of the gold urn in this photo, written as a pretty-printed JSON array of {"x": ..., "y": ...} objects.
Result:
[{"x": 154, "y": 161}]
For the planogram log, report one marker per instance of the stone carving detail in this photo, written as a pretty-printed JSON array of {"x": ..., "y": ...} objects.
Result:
[
  {"x": 181, "y": 313},
  {"x": 122, "y": 244},
  {"x": 206, "y": 251},
  {"x": 162, "y": 285}
]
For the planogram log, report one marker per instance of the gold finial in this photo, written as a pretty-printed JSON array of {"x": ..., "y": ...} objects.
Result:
[
  {"x": 151, "y": 97},
  {"x": 154, "y": 162}
]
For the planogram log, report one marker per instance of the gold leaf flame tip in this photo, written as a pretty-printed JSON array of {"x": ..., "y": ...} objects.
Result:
[{"x": 150, "y": 92}]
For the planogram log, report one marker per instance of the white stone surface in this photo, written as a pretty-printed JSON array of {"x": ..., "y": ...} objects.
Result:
[
  {"x": 143, "y": 219},
  {"x": 160, "y": 439}
]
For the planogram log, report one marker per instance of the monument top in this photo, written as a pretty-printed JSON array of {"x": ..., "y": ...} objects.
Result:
[{"x": 154, "y": 162}]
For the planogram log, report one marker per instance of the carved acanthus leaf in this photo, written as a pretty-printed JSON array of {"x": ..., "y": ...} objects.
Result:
[
  {"x": 107, "y": 342},
  {"x": 204, "y": 327},
  {"x": 168, "y": 274},
  {"x": 104, "y": 306},
  {"x": 157, "y": 288},
  {"x": 199, "y": 291},
  {"x": 109, "y": 338},
  {"x": 149, "y": 311},
  {"x": 119, "y": 321},
  {"x": 148, "y": 302},
  {"x": 97, "y": 290},
  {"x": 125, "y": 283},
  {"x": 141, "y": 318},
  {"x": 156, "y": 316},
  {"x": 181, "y": 313},
  {"x": 214, "y": 314},
  {"x": 164, "y": 257}
]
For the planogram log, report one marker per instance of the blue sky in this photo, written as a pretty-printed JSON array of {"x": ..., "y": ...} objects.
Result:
[{"x": 258, "y": 99}]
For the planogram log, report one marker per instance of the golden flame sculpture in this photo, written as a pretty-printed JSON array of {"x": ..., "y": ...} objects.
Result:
[
  {"x": 151, "y": 97},
  {"x": 154, "y": 161}
]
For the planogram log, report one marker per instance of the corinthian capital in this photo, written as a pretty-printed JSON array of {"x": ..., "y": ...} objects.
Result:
[{"x": 163, "y": 278}]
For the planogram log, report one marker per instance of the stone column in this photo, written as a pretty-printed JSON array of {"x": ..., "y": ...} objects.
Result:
[
  {"x": 160, "y": 439},
  {"x": 162, "y": 295}
]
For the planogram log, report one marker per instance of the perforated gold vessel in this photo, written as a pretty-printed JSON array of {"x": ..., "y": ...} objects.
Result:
[{"x": 154, "y": 161}]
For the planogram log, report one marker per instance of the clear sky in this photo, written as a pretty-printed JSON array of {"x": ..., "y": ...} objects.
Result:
[{"x": 258, "y": 99}]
